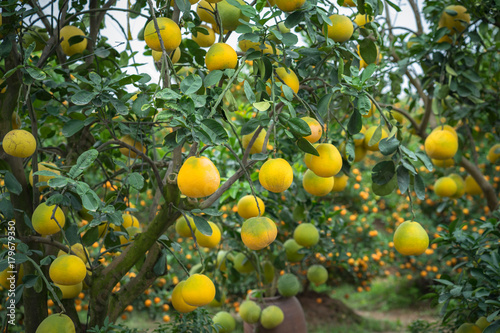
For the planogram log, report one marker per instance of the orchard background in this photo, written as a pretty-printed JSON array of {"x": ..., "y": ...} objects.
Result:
[{"x": 297, "y": 157}]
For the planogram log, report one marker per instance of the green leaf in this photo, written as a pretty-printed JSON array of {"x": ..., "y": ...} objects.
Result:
[
  {"x": 324, "y": 104},
  {"x": 250, "y": 126},
  {"x": 262, "y": 106},
  {"x": 299, "y": 127},
  {"x": 72, "y": 127},
  {"x": 119, "y": 106},
  {"x": 168, "y": 94},
  {"x": 161, "y": 264},
  {"x": 387, "y": 146},
  {"x": 83, "y": 97},
  {"x": 202, "y": 225},
  {"x": 208, "y": 211},
  {"x": 191, "y": 84},
  {"x": 135, "y": 180},
  {"x": 377, "y": 135},
  {"x": 403, "y": 179},
  {"x": 83, "y": 162},
  {"x": 141, "y": 106},
  {"x": 419, "y": 187},
  {"x": 212, "y": 78},
  {"x": 368, "y": 72},
  {"x": 289, "y": 39},
  {"x": 219, "y": 131},
  {"x": 425, "y": 160},
  {"x": 307, "y": 147},
  {"x": 259, "y": 157},
  {"x": 355, "y": 123},
  {"x": 450, "y": 70},
  {"x": 12, "y": 184},
  {"x": 393, "y": 5},
  {"x": 383, "y": 172},
  {"x": 184, "y": 6},
  {"x": 368, "y": 51},
  {"x": 385, "y": 189},
  {"x": 249, "y": 93},
  {"x": 58, "y": 181},
  {"x": 36, "y": 73}
]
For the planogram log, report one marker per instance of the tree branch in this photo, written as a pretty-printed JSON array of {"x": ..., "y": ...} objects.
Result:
[
  {"x": 488, "y": 189},
  {"x": 418, "y": 18}
]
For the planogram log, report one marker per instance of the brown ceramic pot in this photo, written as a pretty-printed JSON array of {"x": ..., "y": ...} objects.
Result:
[{"x": 294, "y": 322}]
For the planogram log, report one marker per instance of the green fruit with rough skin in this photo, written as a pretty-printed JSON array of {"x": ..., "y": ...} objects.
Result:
[
  {"x": 482, "y": 323},
  {"x": 58, "y": 322},
  {"x": 292, "y": 249},
  {"x": 317, "y": 274},
  {"x": 271, "y": 317},
  {"x": 250, "y": 312},
  {"x": 306, "y": 234},
  {"x": 224, "y": 321},
  {"x": 268, "y": 271},
  {"x": 468, "y": 328},
  {"x": 242, "y": 264},
  {"x": 288, "y": 285}
]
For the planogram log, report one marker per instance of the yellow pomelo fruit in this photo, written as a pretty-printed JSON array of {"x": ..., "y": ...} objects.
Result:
[
  {"x": 198, "y": 290},
  {"x": 341, "y": 29},
  {"x": 204, "y": 40},
  {"x": 247, "y": 207},
  {"x": 68, "y": 32},
  {"x": 317, "y": 274},
  {"x": 58, "y": 322},
  {"x": 482, "y": 323},
  {"x": 306, "y": 234},
  {"x": 42, "y": 220},
  {"x": 359, "y": 153},
  {"x": 443, "y": 163},
  {"x": 268, "y": 271},
  {"x": 67, "y": 270},
  {"x": 289, "y": 5},
  {"x": 327, "y": 164},
  {"x": 272, "y": 315},
  {"x": 494, "y": 153},
  {"x": 398, "y": 116},
  {"x": 288, "y": 285},
  {"x": 258, "y": 143},
  {"x": 460, "y": 185},
  {"x": 6, "y": 273},
  {"x": 69, "y": 292},
  {"x": 348, "y": 3},
  {"x": 182, "y": 228},
  {"x": 128, "y": 221},
  {"x": 213, "y": 1},
  {"x": 174, "y": 56},
  {"x": 410, "y": 239},
  {"x": 229, "y": 14},
  {"x": 178, "y": 301},
  {"x": 19, "y": 143},
  {"x": 361, "y": 140},
  {"x": 288, "y": 77},
  {"x": 441, "y": 145},
  {"x": 281, "y": 27},
  {"x": 16, "y": 120},
  {"x": 134, "y": 143},
  {"x": 316, "y": 185},
  {"x": 242, "y": 264},
  {"x": 468, "y": 328},
  {"x": 221, "y": 56},
  {"x": 220, "y": 263},
  {"x": 316, "y": 130},
  {"x": 455, "y": 23},
  {"x": 198, "y": 177},
  {"x": 209, "y": 241},
  {"x": 270, "y": 2},
  {"x": 131, "y": 232},
  {"x": 471, "y": 186},
  {"x": 340, "y": 183},
  {"x": 204, "y": 10},
  {"x": 292, "y": 249},
  {"x": 445, "y": 187},
  {"x": 169, "y": 31},
  {"x": 276, "y": 175},
  {"x": 225, "y": 320},
  {"x": 79, "y": 250},
  {"x": 368, "y": 135},
  {"x": 258, "y": 232},
  {"x": 446, "y": 128},
  {"x": 250, "y": 312},
  {"x": 361, "y": 20},
  {"x": 372, "y": 108}
]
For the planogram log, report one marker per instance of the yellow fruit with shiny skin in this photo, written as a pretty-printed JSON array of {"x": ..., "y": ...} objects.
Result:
[
  {"x": 410, "y": 239},
  {"x": 131, "y": 232},
  {"x": 58, "y": 322},
  {"x": 247, "y": 207},
  {"x": 446, "y": 128},
  {"x": 361, "y": 20},
  {"x": 68, "y": 32},
  {"x": 133, "y": 143},
  {"x": 368, "y": 135},
  {"x": 209, "y": 241},
  {"x": 276, "y": 175},
  {"x": 327, "y": 164},
  {"x": 468, "y": 328},
  {"x": 128, "y": 221},
  {"x": 204, "y": 40},
  {"x": 198, "y": 177},
  {"x": 258, "y": 143},
  {"x": 19, "y": 143},
  {"x": 69, "y": 292},
  {"x": 178, "y": 301},
  {"x": 67, "y": 270},
  {"x": 471, "y": 186},
  {"x": 441, "y": 145},
  {"x": 250, "y": 312},
  {"x": 360, "y": 141},
  {"x": 182, "y": 228},
  {"x": 348, "y": 3},
  {"x": 258, "y": 232},
  {"x": 288, "y": 77},
  {"x": 445, "y": 187},
  {"x": 316, "y": 185},
  {"x": 340, "y": 183},
  {"x": 174, "y": 56},
  {"x": 289, "y": 5},
  {"x": 272, "y": 316},
  {"x": 455, "y": 23},
  {"x": 169, "y": 31},
  {"x": 79, "y": 250},
  {"x": 460, "y": 185},
  {"x": 198, "y": 290},
  {"x": 316, "y": 129},
  {"x": 221, "y": 56},
  {"x": 292, "y": 249},
  {"x": 341, "y": 28},
  {"x": 494, "y": 154},
  {"x": 229, "y": 14},
  {"x": 44, "y": 223},
  {"x": 443, "y": 163}
]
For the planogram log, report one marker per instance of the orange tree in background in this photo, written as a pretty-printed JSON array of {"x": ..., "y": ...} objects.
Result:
[{"x": 314, "y": 82}]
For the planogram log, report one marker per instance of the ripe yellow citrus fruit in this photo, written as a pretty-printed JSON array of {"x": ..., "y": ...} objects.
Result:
[
  {"x": 6, "y": 273},
  {"x": 66, "y": 34},
  {"x": 134, "y": 143},
  {"x": 446, "y": 128},
  {"x": 340, "y": 183},
  {"x": 174, "y": 56},
  {"x": 247, "y": 207},
  {"x": 178, "y": 301},
  {"x": 317, "y": 185},
  {"x": 242, "y": 264},
  {"x": 482, "y": 323},
  {"x": 204, "y": 40},
  {"x": 348, "y": 3},
  {"x": 359, "y": 153},
  {"x": 445, "y": 187},
  {"x": 220, "y": 263},
  {"x": 468, "y": 328},
  {"x": 56, "y": 323},
  {"x": 221, "y": 56},
  {"x": 209, "y": 241},
  {"x": 272, "y": 315},
  {"x": 169, "y": 31},
  {"x": 341, "y": 28},
  {"x": 258, "y": 143},
  {"x": 79, "y": 250},
  {"x": 306, "y": 235},
  {"x": 19, "y": 143},
  {"x": 292, "y": 249},
  {"x": 328, "y": 163},
  {"x": 455, "y": 23},
  {"x": 224, "y": 321},
  {"x": 258, "y": 232},
  {"x": 44, "y": 223},
  {"x": 410, "y": 239},
  {"x": 276, "y": 175},
  {"x": 67, "y": 270},
  {"x": 441, "y": 144},
  {"x": 494, "y": 153},
  {"x": 288, "y": 285},
  {"x": 288, "y": 77},
  {"x": 182, "y": 228},
  {"x": 289, "y": 5},
  {"x": 368, "y": 136},
  {"x": 250, "y": 312},
  {"x": 317, "y": 274},
  {"x": 443, "y": 163},
  {"x": 69, "y": 292},
  {"x": 198, "y": 290},
  {"x": 460, "y": 185},
  {"x": 471, "y": 186},
  {"x": 316, "y": 130},
  {"x": 198, "y": 177},
  {"x": 204, "y": 10},
  {"x": 131, "y": 232},
  {"x": 361, "y": 20}
]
